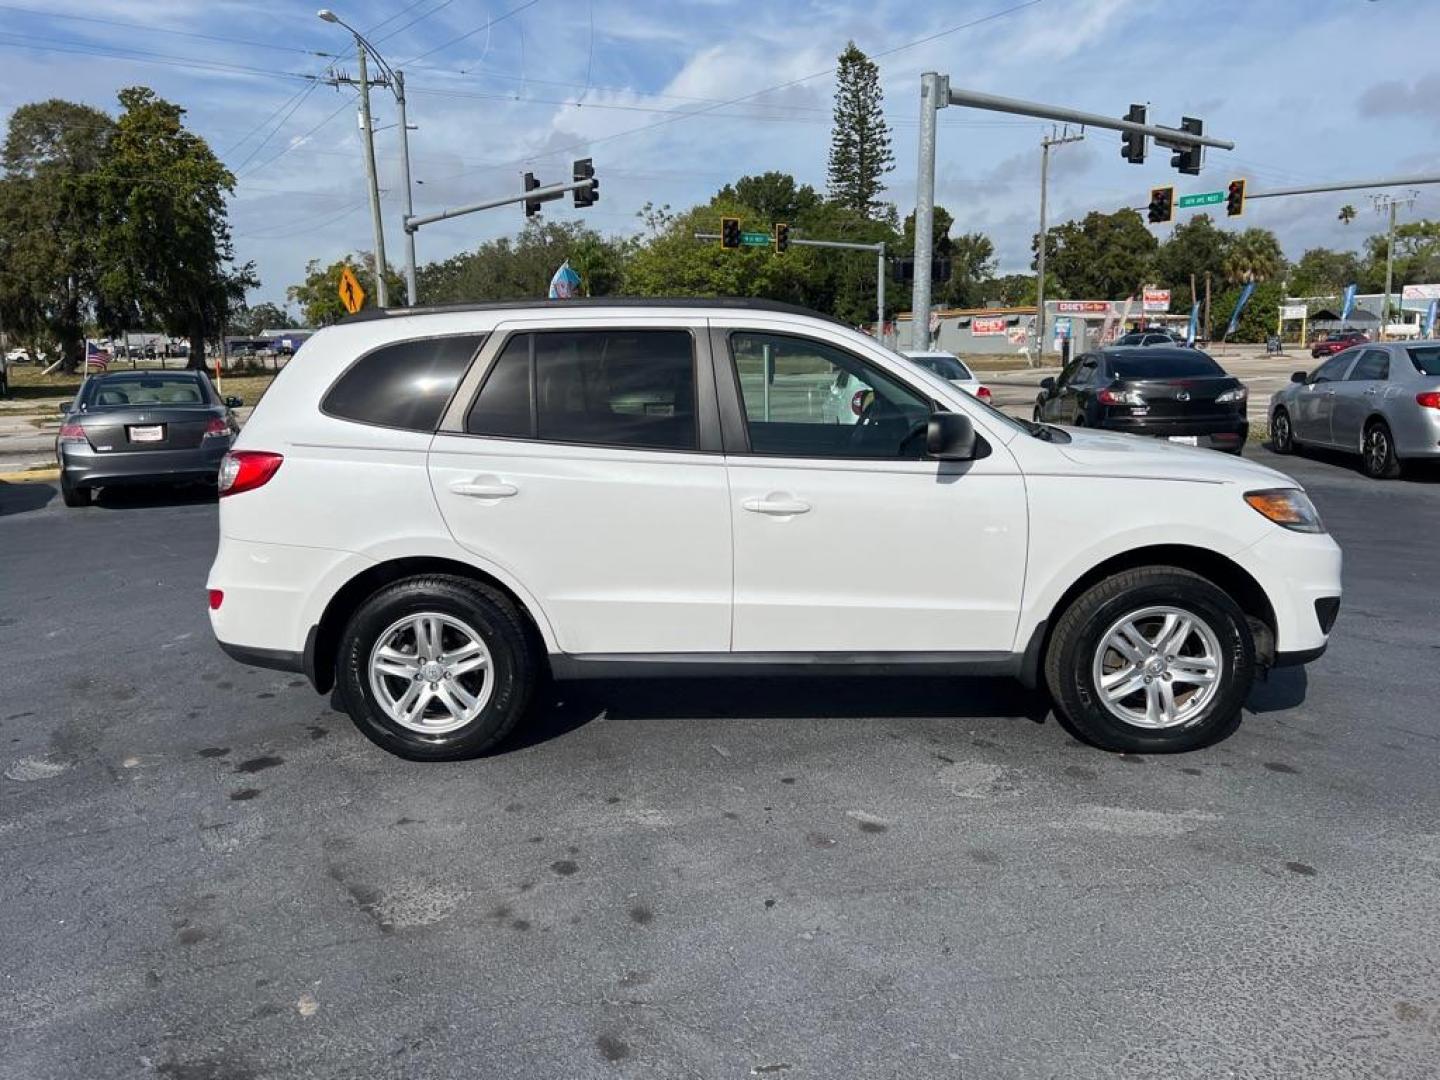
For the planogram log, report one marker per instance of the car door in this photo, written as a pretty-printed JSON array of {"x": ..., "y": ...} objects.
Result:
[
  {"x": 847, "y": 538},
  {"x": 1315, "y": 400},
  {"x": 1060, "y": 406},
  {"x": 585, "y": 463},
  {"x": 1050, "y": 406},
  {"x": 1081, "y": 387},
  {"x": 1357, "y": 396}
]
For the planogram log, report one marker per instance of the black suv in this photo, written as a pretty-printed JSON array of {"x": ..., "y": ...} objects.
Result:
[{"x": 1180, "y": 394}]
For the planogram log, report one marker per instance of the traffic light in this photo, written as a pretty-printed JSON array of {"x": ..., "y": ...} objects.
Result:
[
  {"x": 782, "y": 236},
  {"x": 1235, "y": 198},
  {"x": 940, "y": 269},
  {"x": 904, "y": 269},
  {"x": 532, "y": 206},
  {"x": 584, "y": 169},
  {"x": 1132, "y": 143},
  {"x": 729, "y": 232},
  {"x": 1187, "y": 160},
  {"x": 1162, "y": 205}
]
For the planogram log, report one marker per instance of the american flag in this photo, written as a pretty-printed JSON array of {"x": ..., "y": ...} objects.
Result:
[{"x": 96, "y": 357}]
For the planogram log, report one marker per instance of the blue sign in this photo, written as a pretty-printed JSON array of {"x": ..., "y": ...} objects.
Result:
[{"x": 1347, "y": 305}]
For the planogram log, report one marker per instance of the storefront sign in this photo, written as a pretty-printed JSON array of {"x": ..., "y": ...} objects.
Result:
[
  {"x": 1083, "y": 307},
  {"x": 987, "y": 325},
  {"x": 1155, "y": 300}
]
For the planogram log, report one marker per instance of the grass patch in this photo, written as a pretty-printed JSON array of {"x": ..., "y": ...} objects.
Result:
[{"x": 28, "y": 384}]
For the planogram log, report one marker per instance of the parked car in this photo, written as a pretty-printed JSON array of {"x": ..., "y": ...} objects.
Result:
[
  {"x": 1380, "y": 401},
  {"x": 1151, "y": 337},
  {"x": 440, "y": 506},
  {"x": 1178, "y": 394},
  {"x": 142, "y": 427},
  {"x": 1337, "y": 341},
  {"x": 952, "y": 369}
]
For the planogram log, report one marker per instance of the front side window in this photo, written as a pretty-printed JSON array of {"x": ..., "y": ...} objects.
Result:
[
  {"x": 631, "y": 388},
  {"x": 1374, "y": 364},
  {"x": 797, "y": 403},
  {"x": 404, "y": 385},
  {"x": 1333, "y": 370}
]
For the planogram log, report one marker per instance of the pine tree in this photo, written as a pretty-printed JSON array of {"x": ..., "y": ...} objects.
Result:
[{"x": 860, "y": 141}]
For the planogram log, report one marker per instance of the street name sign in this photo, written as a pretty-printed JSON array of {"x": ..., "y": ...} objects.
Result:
[
  {"x": 755, "y": 239},
  {"x": 1205, "y": 198}
]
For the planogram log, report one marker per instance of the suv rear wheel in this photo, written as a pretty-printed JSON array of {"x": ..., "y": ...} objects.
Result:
[
  {"x": 436, "y": 668},
  {"x": 1152, "y": 660}
]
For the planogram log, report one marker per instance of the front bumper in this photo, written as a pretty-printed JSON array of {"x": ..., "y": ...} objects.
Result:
[
  {"x": 1300, "y": 573},
  {"x": 84, "y": 467}
]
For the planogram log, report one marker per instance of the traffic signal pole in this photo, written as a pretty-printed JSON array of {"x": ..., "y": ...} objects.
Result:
[
  {"x": 935, "y": 94},
  {"x": 539, "y": 194}
]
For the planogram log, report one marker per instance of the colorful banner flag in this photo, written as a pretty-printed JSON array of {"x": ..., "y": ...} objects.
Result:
[
  {"x": 1245, "y": 294},
  {"x": 1347, "y": 305},
  {"x": 1430, "y": 317},
  {"x": 565, "y": 285},
  {"x": 1194, "y": 327}
]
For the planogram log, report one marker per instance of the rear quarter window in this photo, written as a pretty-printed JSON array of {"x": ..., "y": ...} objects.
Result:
[{"x": 403, "y": 385}]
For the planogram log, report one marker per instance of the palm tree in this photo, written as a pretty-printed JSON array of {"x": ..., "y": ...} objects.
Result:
[
  {"x": 1347, "y": 213},
  {"x": 1253, "y": 255}
]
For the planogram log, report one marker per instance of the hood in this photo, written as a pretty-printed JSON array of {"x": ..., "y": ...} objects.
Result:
[{"x": 1114, "y": 454}]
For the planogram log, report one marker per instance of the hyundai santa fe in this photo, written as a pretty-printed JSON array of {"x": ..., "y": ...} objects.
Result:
[{"x": 431, "y": 510}]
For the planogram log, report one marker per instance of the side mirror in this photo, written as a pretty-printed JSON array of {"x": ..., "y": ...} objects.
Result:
[
  {"x": 64, "y": 408},
  {"x": 1047, "y": 384},
  {"x": 950, "y": 437},
  {"x": 234, "y": 402},
  {"x": 1298, "y": 377}
]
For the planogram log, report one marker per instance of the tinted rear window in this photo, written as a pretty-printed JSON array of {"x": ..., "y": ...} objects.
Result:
[
  {"x": 405, "y": 385},
  {"x": 1164, "y": 365},
  {"x": 1426, "y": 358},
  {"x": 159, "y": 390}
]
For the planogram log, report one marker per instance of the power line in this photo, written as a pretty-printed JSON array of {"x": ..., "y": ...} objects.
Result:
[
  {"x": 402, "y": 12},
  {"x": 151, "y": 29},
  {"x": 25, "y": 41},
  {"x": 296, "y": 141},
  {"x": 471, "y": 33},
  {"x": 300, "y": 100},
  {"x": 412, "y": 22}
]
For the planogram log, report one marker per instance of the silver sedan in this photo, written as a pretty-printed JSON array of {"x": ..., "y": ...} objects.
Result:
[{"x": 1378, "y": 400}]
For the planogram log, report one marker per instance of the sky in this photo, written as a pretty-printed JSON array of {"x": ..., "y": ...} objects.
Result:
[{"x": 665, "y": 96}]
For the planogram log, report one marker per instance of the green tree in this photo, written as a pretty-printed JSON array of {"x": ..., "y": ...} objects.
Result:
[
  {"x": 523, "y": 266},
  {"x": 50, "y": 222},
  {"x": 319, "y": 294},
  {"x": 165, "y": 244},
  {"x": 1417, "y": 256},
  {"x": 1103, "y": 257},
  {"x": 1012, "y": 290},
  {"x": 1347, "y": 213},
  {"x": 860, "y": 154},
  {"x": 1257, "y": 321},
  {"x": 774, "y": 196},
  {"x": 1195, "y": 247},
  {"x": 971, "y": 255},
  {"x": 251, "y": 321},
  {"x": 1323, "y": 272},
  {"x": 1254, "y": 255}
]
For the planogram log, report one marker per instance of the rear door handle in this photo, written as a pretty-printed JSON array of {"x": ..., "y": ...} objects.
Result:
[
  {"x": 776, "y": 505},
  {"x": 485, "y": 487}
]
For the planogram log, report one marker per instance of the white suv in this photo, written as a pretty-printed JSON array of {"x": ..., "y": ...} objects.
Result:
[{"x": 431, "y": 509}]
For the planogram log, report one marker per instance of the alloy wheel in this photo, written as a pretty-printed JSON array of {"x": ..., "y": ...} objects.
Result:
[
  {"x": 1158, "y": 667},
  {"x": 431, "y": 673}
]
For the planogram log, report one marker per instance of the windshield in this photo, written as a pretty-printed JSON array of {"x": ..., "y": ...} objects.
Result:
[
  {"x": 1426, "y": 358},
  {"x": 159, "y": 390},
  {"x": 1165, "y": 365}
]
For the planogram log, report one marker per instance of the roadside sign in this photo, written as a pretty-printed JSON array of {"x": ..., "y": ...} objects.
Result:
[
  {"x": 351, "y": 294},
  {"x": 756, "y": 239},
  {"x": 1292, "y": 311},
  {"x": 1207, "y": 198},
  {"x": 1155, "y": 300}
]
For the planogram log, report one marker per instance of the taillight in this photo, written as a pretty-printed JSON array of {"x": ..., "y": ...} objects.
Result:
[
  {"x": 1429, "y": 399},
  {"x": 983, "y": 394},
  {"x": 857, "y": 402},
  {"x": 72, "y": 432},
  {"x": 1107, "y": 396},
  {"x": 216, "y": 427},
  {"x": 217, "y": 597},
  {"x": 245, "y": 470}
]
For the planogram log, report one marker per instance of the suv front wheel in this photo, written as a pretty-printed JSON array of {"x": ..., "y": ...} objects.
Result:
[
  {"x": 436, "y": 668},
  {"x": 1152, "y": 660}
]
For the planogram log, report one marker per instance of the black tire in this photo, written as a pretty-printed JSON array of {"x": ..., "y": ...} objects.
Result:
[
  {"x": 1070, "y": 658},
  {"x": 75, "y": 495},
  {"x": 1377, "y": 452},
  {"x": 515, "y": 665},
  {"x": 1282, "y": 432}
]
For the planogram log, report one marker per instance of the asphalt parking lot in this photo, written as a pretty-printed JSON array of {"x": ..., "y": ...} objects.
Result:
[{"x": 207, "y": 874}]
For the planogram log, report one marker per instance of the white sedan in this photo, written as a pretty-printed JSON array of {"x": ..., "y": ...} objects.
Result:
[{"x": 950, "y": 368}]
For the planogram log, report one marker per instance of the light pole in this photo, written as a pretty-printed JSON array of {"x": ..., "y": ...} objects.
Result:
[
  {"x": 1045, "y": 144},
  {"x": 395, "y": 80}
]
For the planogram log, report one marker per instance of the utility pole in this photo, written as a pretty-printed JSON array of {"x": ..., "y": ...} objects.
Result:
[
  {"x": 409, "y": 198},
  {"x": 936, "y": 93},
  {"x": 1050, "y": 140},
  {"x": 1390, "y": 203},
  {"x": 382, "y": 298},
  {"x": 1207, "y": 305}
]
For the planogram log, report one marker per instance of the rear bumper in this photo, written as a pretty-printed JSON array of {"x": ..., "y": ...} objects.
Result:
[
  {"x": 83, "y": 466},
  {"x": 1217, "y": 433},
  {"x": 275, "y": 659}
]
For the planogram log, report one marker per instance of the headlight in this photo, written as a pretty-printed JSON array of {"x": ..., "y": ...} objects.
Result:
[
  {"x": 1289, "y": 507},
  {"x": 1238, "y": 394}
]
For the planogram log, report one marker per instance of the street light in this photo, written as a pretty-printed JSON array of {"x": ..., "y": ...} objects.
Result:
[{"x": 396, "y": 81}]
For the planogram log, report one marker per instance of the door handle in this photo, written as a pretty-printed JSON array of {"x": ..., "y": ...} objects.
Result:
[
  {"x": 776, "y": 505},
  {"x": 1329, "y": 393},
  {"x": 485, "y": 487},
  {"x": 1372, "y": 391}
]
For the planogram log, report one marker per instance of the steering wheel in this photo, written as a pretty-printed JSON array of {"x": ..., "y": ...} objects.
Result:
[{"x": 875, "y": 417}]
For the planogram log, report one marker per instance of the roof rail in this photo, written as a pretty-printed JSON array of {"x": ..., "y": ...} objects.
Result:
[{"x": 724, "y": 303}]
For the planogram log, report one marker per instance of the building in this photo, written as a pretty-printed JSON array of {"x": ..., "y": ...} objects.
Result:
[
  {"x": 1010, "y": 331},
  {"x": 1408, "y": 306}
]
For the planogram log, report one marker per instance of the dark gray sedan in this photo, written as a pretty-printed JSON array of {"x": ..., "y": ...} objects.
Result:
[
  {"x": 1378, "y": 400},
  {"x": 143, "y": 427}
]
